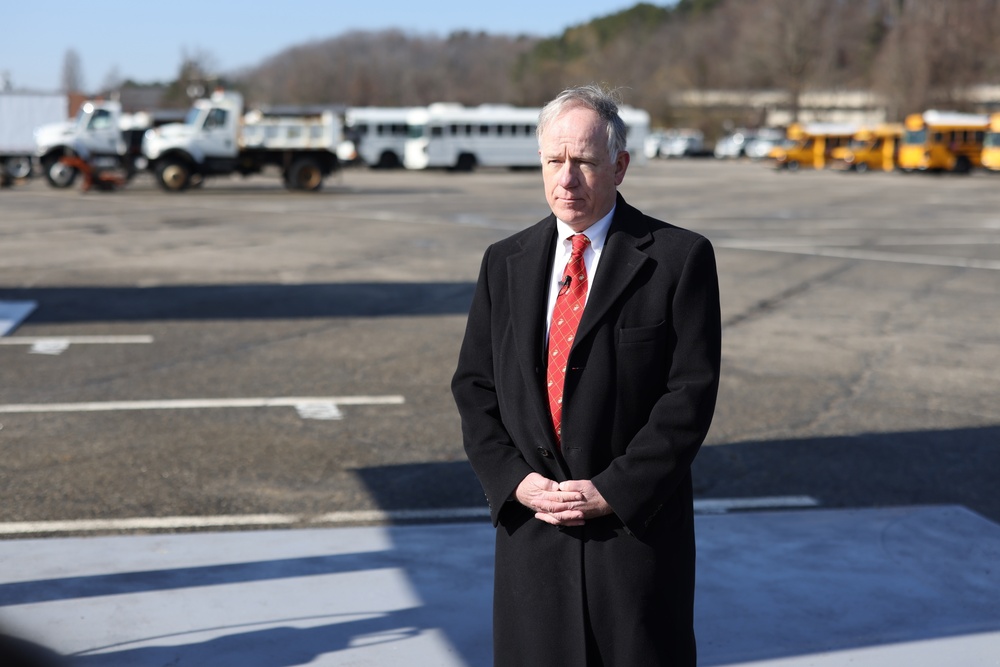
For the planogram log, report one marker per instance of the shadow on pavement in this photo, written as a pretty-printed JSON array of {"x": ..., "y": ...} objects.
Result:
[
  {"x": 58, "y": 305},
  {"x": 943, "y": 467}
]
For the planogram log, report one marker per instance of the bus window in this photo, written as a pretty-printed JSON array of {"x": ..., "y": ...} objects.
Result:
[
  {"x": 915, "y": 137},
  {"x": 437, "y": 131}
]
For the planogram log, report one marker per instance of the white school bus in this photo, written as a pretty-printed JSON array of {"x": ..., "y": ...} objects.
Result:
[
  {"x": 452, "y": 136},
  {"x": 378, "y": 134}
]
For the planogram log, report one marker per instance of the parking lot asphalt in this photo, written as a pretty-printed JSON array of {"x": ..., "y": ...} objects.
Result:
[{"x": 243, "y": 356}]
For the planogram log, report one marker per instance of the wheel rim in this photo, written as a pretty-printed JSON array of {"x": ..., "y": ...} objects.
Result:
[
  {"x": 61, "y": 174},
  {"x": 18, "y": 167},
  {"x": 174, "y": 176},
  {"x": 309, "y": 178}
]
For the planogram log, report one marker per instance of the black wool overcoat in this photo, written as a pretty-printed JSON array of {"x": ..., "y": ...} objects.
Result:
[{"x": 640, "y": 393}]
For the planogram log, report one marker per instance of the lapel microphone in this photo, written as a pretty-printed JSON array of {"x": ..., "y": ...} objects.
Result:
[{"x": 565, "y": 285}]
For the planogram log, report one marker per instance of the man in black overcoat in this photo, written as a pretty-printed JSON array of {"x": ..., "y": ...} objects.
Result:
[{"x": 595, "y": 555}]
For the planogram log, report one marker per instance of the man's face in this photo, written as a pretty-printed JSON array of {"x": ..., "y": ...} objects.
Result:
[{"x": 579, "y": 176}]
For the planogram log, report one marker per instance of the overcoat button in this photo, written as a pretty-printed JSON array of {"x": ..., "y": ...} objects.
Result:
[{"x": 544, "y": 452}]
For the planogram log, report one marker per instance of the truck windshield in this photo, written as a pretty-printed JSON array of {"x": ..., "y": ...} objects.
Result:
[{"x": 192, "y": 116}]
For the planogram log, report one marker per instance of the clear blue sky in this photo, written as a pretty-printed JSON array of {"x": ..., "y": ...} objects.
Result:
[{"x": 145, "y": 41}]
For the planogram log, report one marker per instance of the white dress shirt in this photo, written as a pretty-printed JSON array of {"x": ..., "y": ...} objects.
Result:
[{"x": 597, "y": 233}]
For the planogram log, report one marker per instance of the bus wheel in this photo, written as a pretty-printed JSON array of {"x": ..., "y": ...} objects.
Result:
[
  {"x": 792, "y": 165},
  {"x": 962, "y": 165},
  {"x": 387, "y": 160},
  {"x": 466, "y": 162},
  {"x": 861, "y": 167}
]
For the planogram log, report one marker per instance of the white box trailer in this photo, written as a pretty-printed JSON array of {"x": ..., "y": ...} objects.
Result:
[{"x": 20, "y": 114}]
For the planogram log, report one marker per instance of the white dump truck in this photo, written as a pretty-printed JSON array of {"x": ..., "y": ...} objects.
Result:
[
  {"x": 20, "y": 114},
  {"x": 217, "y": 138},
  {"x": 100, "y": 133}
]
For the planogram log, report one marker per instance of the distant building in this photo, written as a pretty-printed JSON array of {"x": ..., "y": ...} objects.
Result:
[{"x": 141, "y": 98}]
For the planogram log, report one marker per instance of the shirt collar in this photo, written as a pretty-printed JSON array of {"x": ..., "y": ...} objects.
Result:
[{"x": 597, "y": 232}]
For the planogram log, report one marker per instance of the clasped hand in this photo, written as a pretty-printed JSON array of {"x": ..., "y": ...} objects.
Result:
[{"x": 568, "y": 503}]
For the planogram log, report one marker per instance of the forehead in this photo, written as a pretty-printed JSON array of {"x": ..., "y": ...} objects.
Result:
[{"x": 577, "y": 128}]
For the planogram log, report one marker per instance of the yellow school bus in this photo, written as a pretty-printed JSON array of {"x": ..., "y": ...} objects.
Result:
[
  {"x": 943, "y": 141},
  {"x": 991, "y": 144},
  {"x": 871, "y": 148},
  {"x": 810, "y": 145}
]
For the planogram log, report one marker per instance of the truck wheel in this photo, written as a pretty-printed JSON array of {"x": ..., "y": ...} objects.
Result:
[
  {"x": 18, "y": 166},
  {"x": 60, "y": 174},
  {"x": 173, "y": 175},
  {"x": 304, "y": 174}
]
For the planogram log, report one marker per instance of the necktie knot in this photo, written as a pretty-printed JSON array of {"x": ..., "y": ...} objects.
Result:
[{"x": 580, "y": 243}]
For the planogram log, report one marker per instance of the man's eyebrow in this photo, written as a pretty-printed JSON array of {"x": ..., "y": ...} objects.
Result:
[{"x": 570, "y": 155}]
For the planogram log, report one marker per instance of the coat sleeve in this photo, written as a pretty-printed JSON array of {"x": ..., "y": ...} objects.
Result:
[
  {"x": 494, "y": 457},
  {"x": 658, "y": 458}
]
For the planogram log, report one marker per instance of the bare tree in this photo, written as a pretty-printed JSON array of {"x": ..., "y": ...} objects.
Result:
[
  {"x": 72, "y": 72},
  {"x": 112, "y": 80},
  {"x": 196, "y": 77}
]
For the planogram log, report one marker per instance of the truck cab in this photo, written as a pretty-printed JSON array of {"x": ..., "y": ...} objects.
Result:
[
  {"x": 94, "y": 134},
  {"x": 205, "y": 142}
]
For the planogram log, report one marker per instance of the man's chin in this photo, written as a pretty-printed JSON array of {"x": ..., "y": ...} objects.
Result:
[{"x": 572, "y": 216}]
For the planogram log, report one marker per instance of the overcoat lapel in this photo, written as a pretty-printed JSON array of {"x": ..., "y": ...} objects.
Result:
[
  {"x": 528, "y": 273},
  {"x": 619, "y": 265}
]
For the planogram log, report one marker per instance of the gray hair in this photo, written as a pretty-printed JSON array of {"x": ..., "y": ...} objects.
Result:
[{"x": 602, "y": 102}]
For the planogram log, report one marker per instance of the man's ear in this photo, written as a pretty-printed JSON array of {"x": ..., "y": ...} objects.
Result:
[{"x": 621, "y": 166}]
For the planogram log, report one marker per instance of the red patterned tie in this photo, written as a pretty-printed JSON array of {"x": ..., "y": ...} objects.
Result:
[{"x": 565, "y": 319}]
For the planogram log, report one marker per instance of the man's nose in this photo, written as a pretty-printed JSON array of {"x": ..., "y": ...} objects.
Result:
[{"x": 567, "y": 175}]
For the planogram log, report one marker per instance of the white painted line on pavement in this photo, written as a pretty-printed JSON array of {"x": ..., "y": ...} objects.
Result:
[
  {"x": 723, "y": 505},
  {"x": 54, "y": 345},
  {"x": 873, "y": 255},
  {"x": 708, "y": 506},
  {"x": 12, "y": 313},
  {"x": 235, "y": 521},
  {"x": 77, "y": 340},
  {"x": 58, "y": 344},
  {"x": 325, "y": 406}
]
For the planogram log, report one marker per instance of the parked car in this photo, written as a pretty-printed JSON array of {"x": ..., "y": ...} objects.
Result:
[
  {"x": 675, "y": 143},
  {"x": 683, "y": 143},
  {"x": 759, "y": 146},
  {"x": 732, "y": 145},
  {"x": 651, "y": 146}
]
